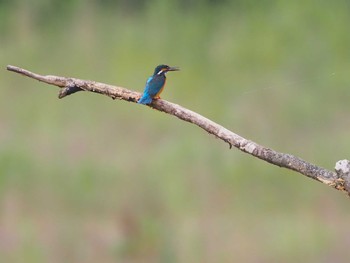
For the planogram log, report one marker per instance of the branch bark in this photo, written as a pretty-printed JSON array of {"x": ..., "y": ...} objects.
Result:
[{"x": 339, "y": 180}]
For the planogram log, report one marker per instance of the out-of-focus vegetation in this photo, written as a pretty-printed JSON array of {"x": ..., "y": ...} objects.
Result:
[{"x": 88, "y": 179}]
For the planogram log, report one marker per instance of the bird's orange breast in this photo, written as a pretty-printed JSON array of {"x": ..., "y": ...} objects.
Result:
[{"x": 161, "y": 90}]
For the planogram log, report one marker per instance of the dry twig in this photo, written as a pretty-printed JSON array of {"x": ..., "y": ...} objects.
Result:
[{"x": 339, "y": 180}]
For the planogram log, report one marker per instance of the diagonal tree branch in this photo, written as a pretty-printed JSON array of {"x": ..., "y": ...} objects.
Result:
[{"x": 339, "y": 180}]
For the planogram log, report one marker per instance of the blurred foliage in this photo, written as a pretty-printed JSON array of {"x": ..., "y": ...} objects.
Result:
[{"x": 88, "y": 179}]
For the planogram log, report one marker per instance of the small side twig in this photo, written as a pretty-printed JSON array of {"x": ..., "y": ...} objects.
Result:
[{"x": 337, "y": 180}]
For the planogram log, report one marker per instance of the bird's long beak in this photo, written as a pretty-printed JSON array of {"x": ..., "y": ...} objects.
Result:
[{"x": 173, "y": 69}]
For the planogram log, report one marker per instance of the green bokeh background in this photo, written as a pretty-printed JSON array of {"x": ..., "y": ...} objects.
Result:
[{"x": 89, "y": 179}]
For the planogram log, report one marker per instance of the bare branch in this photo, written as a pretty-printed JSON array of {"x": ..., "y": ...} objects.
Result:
[{"x": 339, "y": 180}]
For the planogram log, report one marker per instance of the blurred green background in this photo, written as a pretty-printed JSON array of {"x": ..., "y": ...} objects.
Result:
[{"x": 89, "y": 179}]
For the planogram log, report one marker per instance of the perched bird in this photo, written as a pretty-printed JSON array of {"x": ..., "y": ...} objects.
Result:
[{"x": 155, "y": 84}]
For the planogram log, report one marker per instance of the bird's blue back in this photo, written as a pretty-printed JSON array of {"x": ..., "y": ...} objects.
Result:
[{"x": 153, "y": 85}]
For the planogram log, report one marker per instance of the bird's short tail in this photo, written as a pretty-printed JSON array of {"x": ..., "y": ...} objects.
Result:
[{"x": 145, "y": 99}]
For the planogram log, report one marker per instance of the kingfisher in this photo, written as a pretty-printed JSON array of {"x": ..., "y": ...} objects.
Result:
[{"x": 155, "y": 84}]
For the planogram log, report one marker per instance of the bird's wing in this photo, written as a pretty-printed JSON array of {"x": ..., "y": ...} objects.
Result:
[{"x": 154, "y": 86}]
